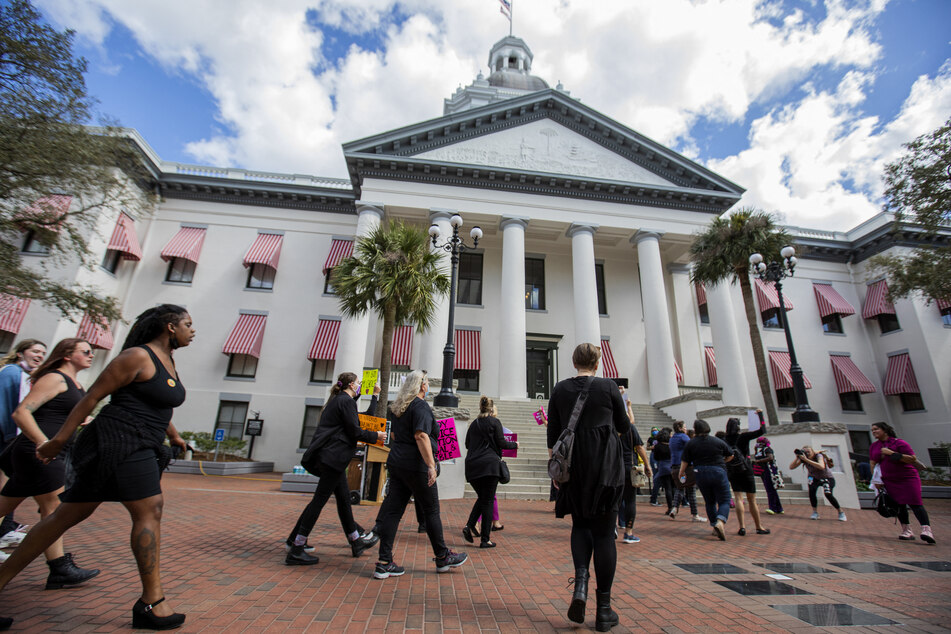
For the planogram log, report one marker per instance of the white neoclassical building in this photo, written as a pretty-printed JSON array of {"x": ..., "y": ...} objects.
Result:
[{"x": 587, "y": 226}]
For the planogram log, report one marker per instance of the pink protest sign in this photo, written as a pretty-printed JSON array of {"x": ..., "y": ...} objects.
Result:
[
  {"x": 448, "y": 447},
  {"x": 511, "y": 436},
  {"x": 540, "y": 416}
]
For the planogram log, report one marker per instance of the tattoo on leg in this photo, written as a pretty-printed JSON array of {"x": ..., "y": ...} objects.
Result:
[{"x": 145, "y": 549}]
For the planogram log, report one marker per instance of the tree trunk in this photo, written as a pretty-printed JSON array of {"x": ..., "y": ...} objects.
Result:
[
  {"x": 389, "y": 325},
  {"x": 759, "y": 357}
]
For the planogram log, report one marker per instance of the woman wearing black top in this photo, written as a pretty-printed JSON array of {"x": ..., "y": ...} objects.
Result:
[
  {"x": 485, "y": 441},
  {"x": 331, "y": 450},
  {"x": 742, "y": 478},
  {"x": 592, "y": 494},
  {"x": 42, "y": 413},
  {"x": 116, "y": 457},
  {"x": 708, "y": 456}
]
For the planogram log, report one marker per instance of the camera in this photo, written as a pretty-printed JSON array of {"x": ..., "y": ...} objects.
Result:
[{"x": 798, "y": 452}]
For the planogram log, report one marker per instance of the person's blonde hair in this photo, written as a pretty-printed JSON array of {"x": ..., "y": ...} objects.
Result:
[
  {"x": 586, "y": 356},
  {"x": 408, "y": 391},
  {"x": 486, "y": 407},
  {"x": 23, "y": 346}
]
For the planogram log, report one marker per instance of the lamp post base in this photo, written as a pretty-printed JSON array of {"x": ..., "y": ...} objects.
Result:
[
  {"x": 446, "y": 398},
  {"x": 805, "y": 415}
]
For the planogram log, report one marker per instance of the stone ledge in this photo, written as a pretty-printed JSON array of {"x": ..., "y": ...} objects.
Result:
[
  {"x": 731, "y": 410},
  {"x": 801, "y": 428},
  {"x": 686, "y": 397},
  {"x": 219, "y": 468}
]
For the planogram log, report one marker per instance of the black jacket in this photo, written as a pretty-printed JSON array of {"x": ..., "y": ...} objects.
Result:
[
  {"x": 335, "y": 441},
  {"x": 485, "y": 441}
]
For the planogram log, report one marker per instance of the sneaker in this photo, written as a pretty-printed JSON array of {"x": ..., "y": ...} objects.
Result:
[
  {"x": 451, "y": 560},
  {"x": 699, "y": 518},
  {"x": 307, "y": 547},
  {"x": 926, "y": 535},
  {"x": 382, "y": 571},
  {"x": 655, "y": 503},
  {"x": 12, "y": 539},
  {"x": 4, "y": 556},
  {"x": 360, "y": 544},
  {"x": 718, "y": 531},
  {"x": 814, "y": 516},
  {"x": 907, "y": 535},
  {"x": 770, "y": 512},
  {"x": 631, "y": 539},
  {"x": 842, "y": 517},
  {"x": 297, "y": 557}
]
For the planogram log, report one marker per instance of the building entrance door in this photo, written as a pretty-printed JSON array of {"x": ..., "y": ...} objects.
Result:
[{"x": 540, "y": 361}]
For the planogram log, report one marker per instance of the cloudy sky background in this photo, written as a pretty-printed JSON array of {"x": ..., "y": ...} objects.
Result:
[{"x": 801, "y": 102}]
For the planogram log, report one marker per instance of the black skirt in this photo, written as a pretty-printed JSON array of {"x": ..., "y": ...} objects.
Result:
[
  {"x": 743, "y": 482},
  {"x": 30, "y": 476},
  {"x": 135, "y": 478}
]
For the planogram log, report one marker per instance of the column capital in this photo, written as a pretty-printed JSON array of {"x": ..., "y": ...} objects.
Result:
[
  {"x": 370, "y": 207},
  {"x": 675, "y": 267},
  {"x": 437, "y": 213},
  {"x": 645, "y": 234},
  {"x": 579, "y": 227},
  {"x": 512, "y": 220}
]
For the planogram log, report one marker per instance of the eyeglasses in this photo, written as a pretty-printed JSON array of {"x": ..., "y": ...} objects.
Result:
[{"x": 87, "y": 353}]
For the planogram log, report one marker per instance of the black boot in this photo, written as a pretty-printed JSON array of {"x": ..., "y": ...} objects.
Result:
[
  {"x": 64, "y": 572},
  {"x": 580, "y": 596},
  {"x": 297, "y": 557},
  {"x": 606, "y": 618}
]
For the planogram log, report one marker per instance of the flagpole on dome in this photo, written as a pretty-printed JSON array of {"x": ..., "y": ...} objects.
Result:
[{"x": 506, "y": 10}]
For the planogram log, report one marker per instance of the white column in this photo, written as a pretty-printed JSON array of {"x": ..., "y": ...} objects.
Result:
[
  {"x": 512, "y": 366},
  {"x": 585, "y": 287},
  {"x": 434, "y": 342},
  {"x": 355, "y": 333},
  {"x": 726, "y": 346},
  {"x": 686, "y": 319},
  {"x": 660, "y": 350}
]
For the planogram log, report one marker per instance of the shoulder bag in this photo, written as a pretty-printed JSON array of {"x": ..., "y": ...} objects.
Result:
[{"x": 559, "y": 465}]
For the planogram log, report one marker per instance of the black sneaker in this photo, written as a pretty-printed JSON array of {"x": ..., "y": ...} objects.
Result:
[
  {"x": 297, "y": 557},
  {"x": 451, "y": 560},
  {"x": 307, "y": 547},
  {"x": 382, "y": 571},
  {"x": 363, "y": 542}
]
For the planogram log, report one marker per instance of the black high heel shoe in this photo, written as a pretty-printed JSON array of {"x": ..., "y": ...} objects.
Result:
[{"x": 144, "y": 619}]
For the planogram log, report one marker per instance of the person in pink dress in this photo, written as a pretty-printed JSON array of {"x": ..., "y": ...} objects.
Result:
[{"x": 900, "y": 476}]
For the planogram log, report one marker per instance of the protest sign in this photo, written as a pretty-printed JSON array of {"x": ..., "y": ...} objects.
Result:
[
  {"x": 370, "y": 378},
  {"x": 752, "y": 420},
  {"x": 510, "y": 436},
  {"x": 448, "y": 447},
  {"x": 540, "y": 417},
  {"x": 373, "y": 423}
]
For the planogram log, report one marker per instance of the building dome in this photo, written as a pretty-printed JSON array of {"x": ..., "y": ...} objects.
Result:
[
  {"x": 510, "y": 62},
  {"x": 520, "y": 81}
]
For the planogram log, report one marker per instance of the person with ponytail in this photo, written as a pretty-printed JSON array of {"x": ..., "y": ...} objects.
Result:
[
  {"x": 120, "y": 455},
  {"x": 331, "y": 450},
  {"x": 485, "y": 441}
]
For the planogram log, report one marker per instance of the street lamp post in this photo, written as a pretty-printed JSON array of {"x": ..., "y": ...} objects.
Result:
[
  {"x": 454, "y": 246},
  {"x": 775, "y": 272}
]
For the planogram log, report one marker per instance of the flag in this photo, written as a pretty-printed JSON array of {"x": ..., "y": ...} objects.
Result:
[{"x": 506, "y": 8}]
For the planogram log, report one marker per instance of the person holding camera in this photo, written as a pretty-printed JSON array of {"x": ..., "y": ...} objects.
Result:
[
  {"x": 818, "y": 467},
  {"x": 901, "y": 479}
]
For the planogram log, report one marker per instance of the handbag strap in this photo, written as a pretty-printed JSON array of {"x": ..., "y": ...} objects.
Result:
[{"x": 579, "y": 405}]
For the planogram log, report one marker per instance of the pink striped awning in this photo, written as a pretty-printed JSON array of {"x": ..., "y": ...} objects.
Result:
[
  {"x": 339, "y": 249},
  {"x": 608, "y": 366},
  {"x": 876, "y": 301},
  {"x": 266, "y": 250},
  {"x": 47, "y": 211},
  {"x": 402, "y": 351},
  {"x": 468, "y": 349},
  {"x": 900, "y": 376},
  {"x": 678, "y": 373},
  {"x": 124, "y": 239},
  {"x": 12, "y": 312},
  {"x": 325, "y": 341},
  {"x": 246, "y": 336},
  {"x": 780, "y": 365},
  {"x": 711, "y": 365},
  {"x": 98, "y": 334},
  {"x": 186, "y": 244},
  {"x": 701, "y": 294},
  {"x": 848, "y": 377},
  {"x": 943, "y": 304},
  {"x": 830, "y": 302},
  {"x": 768, "y": 298}
]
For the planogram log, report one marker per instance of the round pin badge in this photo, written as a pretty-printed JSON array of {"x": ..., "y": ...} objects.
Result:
[{"x": 171, "y": 382}]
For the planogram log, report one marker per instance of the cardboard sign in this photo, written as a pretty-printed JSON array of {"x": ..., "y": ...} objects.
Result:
[
  {"x": 448, "y": 447},
  {"x": 540, "y": 417},
  {"x": 370, "y": 377},
  {"x": 373, "y": 423},
  {"x": 511, "y": 436}
]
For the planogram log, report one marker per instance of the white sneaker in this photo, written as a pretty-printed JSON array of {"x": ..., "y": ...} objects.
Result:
[
  {"x": 842, "y": 516},
  {"x": 12, "y": 539},
  {"x": 814, "y": 516},
  {"x": 699, "y": 518},
  {"x": 3, "y": 556}
]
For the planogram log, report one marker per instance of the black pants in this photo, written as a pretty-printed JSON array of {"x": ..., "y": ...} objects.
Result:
[
  {"x": 405, "y": 483},
  {"x": 920, "y": 514},
  {"x": 330, "y": 483},
  {"x": 827, "y": 485},
  {"x": 595, "y": 536},
  {"x": 667, "y": 483},
  {"x": 485, "y": 489},
  {"x": 627, "y": 511}
]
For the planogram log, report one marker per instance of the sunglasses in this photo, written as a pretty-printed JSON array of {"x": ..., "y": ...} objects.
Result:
[{"x": 87, "y": 353}]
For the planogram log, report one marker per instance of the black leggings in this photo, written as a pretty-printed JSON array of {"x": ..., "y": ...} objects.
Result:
[
  {"x": 627, "y": 512},
  {"x": 920, "y": 514},
  {"x": 827, "y": 485},
  {"x": 485, "y": 489},
  {"x": 330, "y": 483},
  {"x": 595, "y": 536}
]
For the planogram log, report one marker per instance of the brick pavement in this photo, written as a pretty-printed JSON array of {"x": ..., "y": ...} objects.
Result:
[{"x": 222, "y": 565}]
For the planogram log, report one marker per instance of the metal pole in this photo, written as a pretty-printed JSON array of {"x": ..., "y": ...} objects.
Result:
[
  {"x": 446, "y": 397},
  {"x": 803, "y": 413}
]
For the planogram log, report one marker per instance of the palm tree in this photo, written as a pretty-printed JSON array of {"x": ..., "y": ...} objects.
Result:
[
  {"x": 393, "y": 273},
  {"x": 723, "y": 251}
]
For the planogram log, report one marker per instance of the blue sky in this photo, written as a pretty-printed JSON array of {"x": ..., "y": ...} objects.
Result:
[{"x": 801, "y": 102}]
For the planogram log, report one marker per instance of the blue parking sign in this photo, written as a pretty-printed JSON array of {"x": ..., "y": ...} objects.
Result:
[{"x": 219, "y": 435}]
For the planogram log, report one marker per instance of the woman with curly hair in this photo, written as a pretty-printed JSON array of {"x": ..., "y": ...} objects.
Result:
[{"x": 901, "y": 478}]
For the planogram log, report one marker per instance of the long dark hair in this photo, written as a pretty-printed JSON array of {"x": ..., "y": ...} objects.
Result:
[
  {"x": 343, "y": 381},
  {"x": 885, "y": 427},
  {"x": 152, "y": 323},
  {"x": 56, "y": 358}
]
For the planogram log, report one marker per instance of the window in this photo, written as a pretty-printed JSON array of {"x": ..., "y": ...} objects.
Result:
[
  {"x": 911, "y": 402},
  {"x": 888, "y": 322},
  {"x": 468, "y": 380},
  {"x": 180, "y": 270},
  {"x": 6, "y": 341},
  {"x": 260, "y": 276},
  {"x": 704, "y": 314},
  {"x": 470, "y": 279},
  {"x": 321, "y": 371},
  {"x": 32, "y": 245},
  {"x": 311, "y": 418},
  {"x": 111, "y": 261},
  {"x": 832, "y": 323},
  {"x": 946, "y": 316},
  {"x": 328, "y": 286},
  {"x": 771, "y": 318},
  {"x": 231, "y": 415},
  {"x": 242, "y": 365},
  {"x": 786, "y": 397},
  {"x": 535, "y": 283},
  {"x": 851, "y": 401},
  {"x": 602, "y": 295}
]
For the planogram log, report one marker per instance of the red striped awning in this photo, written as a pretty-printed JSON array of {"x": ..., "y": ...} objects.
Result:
[
  {"x": 608, "y": 366},
  {"x": 12, "y": 312},
  {"x": 246, "y": 336},
  {"x": 186, "y": 244},
  {"x": 830, "y": 302},
  {"x": 339, "y": 249},
  {"x": 124, "y": 239},
  {"x": 99, "y": 335},
  {"x": 678, "y": 373},
  {"x": 848, "y": 377},
  {"x": 266, "y": 250},
  {"x": 468, "y": 350},
  {"x": 402, "y": 351},
  {"x": 877, "y": 302},
  {"x": 711, "y": 365},
  {"x": 780, "y": 365},
  {"x": 701, "y": 294},
  {"x": 900, "y": 376},
  {"x": 325, "y": 341},
  {"x": 943, "y": 304},
  {"x": 47, "y": 211},
  {"x": 768, "y": 298}
]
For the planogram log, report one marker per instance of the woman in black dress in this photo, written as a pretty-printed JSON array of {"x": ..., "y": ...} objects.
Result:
[
  {"x": 116, "y": 457},
  {"x": 740, "y": 472},
  {"x": 485, "y": 441},
  {"x": 40, "y": 416},
  {"x": 592, "y": 494}
]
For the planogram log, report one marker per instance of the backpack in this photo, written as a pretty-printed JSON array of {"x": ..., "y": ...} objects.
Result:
[
  {"x": 885, "y": 505},
  {"x": 740, "y": 463},
  {"x": 559, "y": 465}
]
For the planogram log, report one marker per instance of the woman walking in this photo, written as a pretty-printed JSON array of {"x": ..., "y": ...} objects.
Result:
[
  {"x": 740, "y": 472},
  {"x": 116, "y": 458},
  {"x": 764, "y": 465},
  {"x": 820, "y": 475},
  {"x": 686, "y": 488},
  {"x": 597, "y": 478},
  {"x": 632, "y": 451},
  {"x": 901, "y": 478},
  {"x": 709, "y": 457},
  {"x": 662, "y": 478},
  {"x": 484, "y": 444},
  {"x": 40, "y": 416}
]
